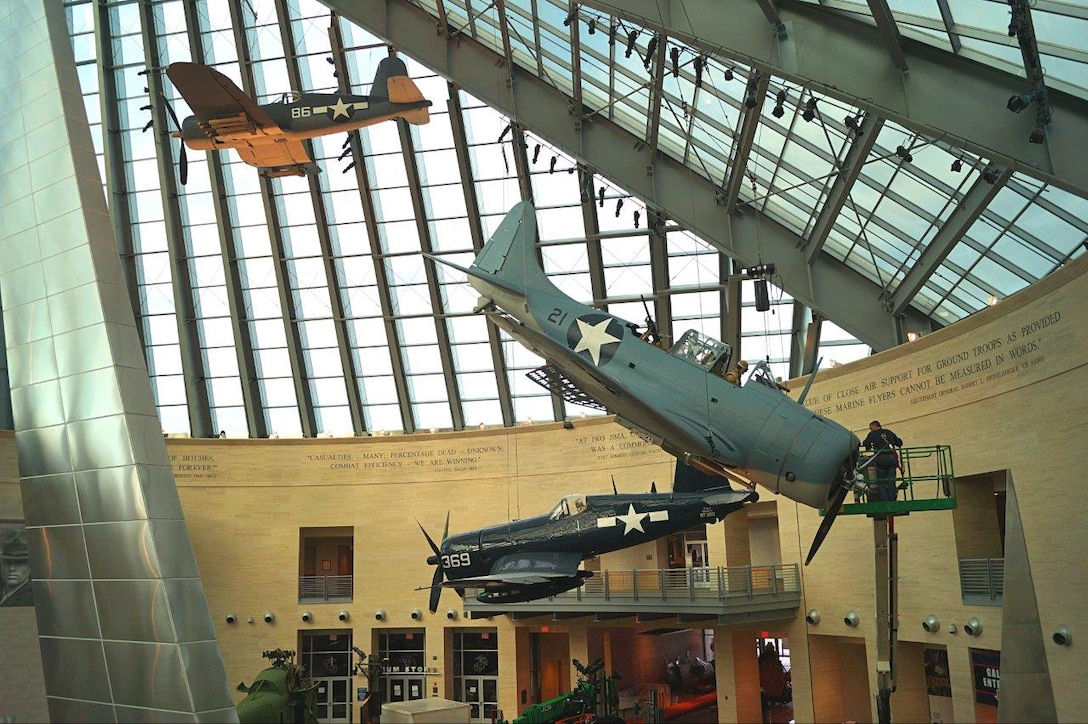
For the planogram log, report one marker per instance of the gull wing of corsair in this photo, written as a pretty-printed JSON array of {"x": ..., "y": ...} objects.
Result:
[
  {"x": 538, "y": 557},
  {"x": 751, "y": 433},
  {"x": 270, "y": 135}
]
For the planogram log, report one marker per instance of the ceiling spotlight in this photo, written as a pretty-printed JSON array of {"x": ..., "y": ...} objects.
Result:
[
  {"x": 750, "y": 101},
  {"x": 651, "y": 48},
  {"x": 854, "y": 124},
  {"x": 700, "y": 63},
  {"x": 619, "y": 205},
  {"x": 957, "y": 165},
  {"x": 904, "y": 153},
  {"x": 536, "y": 152},
  {"x": 571, "y": 17},
  {"x": 810, "y": 109},
  {"x": 779, "y": 111},
  {"x": 1019, "y": 102},
  {"x": 674, "y": 56},
  {"x": 593, "y": 26},
  {"x": 600, "y": 197},
  {"x": 729, "y": 74},
  {"x": 631, "y": 38}
]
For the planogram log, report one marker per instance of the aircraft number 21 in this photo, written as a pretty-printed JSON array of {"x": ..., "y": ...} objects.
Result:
[
  {"x": 558, "y": 316},
  {"x": 456, "y": 560}
]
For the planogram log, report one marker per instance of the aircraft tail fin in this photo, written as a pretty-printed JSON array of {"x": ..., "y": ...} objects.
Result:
[
  {"x": 392, "y": 83},
  {"x": 509, "y": 257}
]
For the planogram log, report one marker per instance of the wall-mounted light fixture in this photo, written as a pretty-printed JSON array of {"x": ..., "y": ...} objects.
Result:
[
  {"x": 973, "y": 627},
  {"x": 343, "y": 615},
  {"x": 231, "y": 618},
  {"x": 851, "y": 619},
  {"x": 307, "y": 616},
  {"x": 269, "y": 617},
  {"x": 416, "y": 614},
  {"x": 932, "y": 624},
  {"x": 379, "y": 615},
  {"x": 451, "y": 614},
  {"x": 813, "y": 617},
  {"x": 1062, "y": 637}
]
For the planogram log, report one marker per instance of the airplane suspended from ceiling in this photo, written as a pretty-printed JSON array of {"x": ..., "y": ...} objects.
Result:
[
  {"x": 685, "y": 398},
  {"x": 270, "y": 135},
  {"x": 538, "y": 557}
]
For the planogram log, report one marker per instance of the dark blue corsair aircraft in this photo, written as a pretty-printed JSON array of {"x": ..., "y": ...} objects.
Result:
[
  {"x": 750, "y": 432},
  {"x": 538, "y": 557},
  {"x": 270, "y": 135}
]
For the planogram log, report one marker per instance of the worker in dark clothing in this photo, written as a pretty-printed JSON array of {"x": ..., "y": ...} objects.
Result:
[{"x": 883, "y": 442}]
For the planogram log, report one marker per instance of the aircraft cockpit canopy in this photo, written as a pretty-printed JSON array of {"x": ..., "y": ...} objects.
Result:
[
  {"x": 290, "y": 97},
  {"x": 572, "y": 504},
  {"x": 761, "y": 374},
  {"x": 701, "y": 350}
]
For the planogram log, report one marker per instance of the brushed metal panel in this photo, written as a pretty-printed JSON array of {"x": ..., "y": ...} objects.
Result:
[
  {"x": 83, "y": 350},
  {"x": 110, "y": 494},
  {"x": 23, "y": 247},
  {"x": 139, "y": 715},
  {"x": 43, "y": 451},
  {"x": 28, "y": 323},
  {"x": 12, "y": 131},
  {"x": 124, "y": 549},
  {"x": 32, "y": 362},
  {"x": 145, "y": 434},
  {"x": 189, "y": 608},
  {"x": 207, "y": 677},
  {"x": 65, "y": 609},
  {"x": 37, "y": 405},
  {"x": 59, "y": 198},
  {"x": 100, "y": 443},
  {"x": 104, "y": 257},
  {"x": 160, "y": 492},
  {"x": 91, "y": 395},
  {"x": 15, "y": 181},
  {"x": 62, "y": 233},
  {"x": 70, "y": 268},
  {"x": 75, "y": 308},
  {"x": 134, "y": 611},
  {"x": 19, "y": 216},
  {"x": 42, "y": 140},
  {"x": 116, "y": 306},
  {"x": 27, "y": 284},
  {"x": 154, "y": 675},
  {"x": 127, "y": 351},
  {"x": 136, "y": 397},
  {"x": 50, "y": 500},
  {"x": 88, "y": 712},
  {"x": 51, "y": 167},
  {"x": 75, "y": 668},
  {"x": 57, "y": 552},
  {"x": 176, "y": 555}
]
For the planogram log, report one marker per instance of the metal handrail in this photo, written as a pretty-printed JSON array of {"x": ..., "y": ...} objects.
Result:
[{"x": 325, "y": 588}]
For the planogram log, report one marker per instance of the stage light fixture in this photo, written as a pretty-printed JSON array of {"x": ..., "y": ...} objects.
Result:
[
  {"x": 536, "y": 153},
  {"x": 854, "y": 124},
  {"x": 810, "y": 110},
  {"x": 600, "y": 197},
  {"x": 612, "y": 31},
  {"x": 957, "y": 165},
  {"x": 637, "y": 217},
  {"x": 750, "y": 100},
  {"x": 779, "y": 111},
  {"x": 593, "y": 26},
  {"x": 728, "y": 75},
  {"x": 700, "y": 64},
  {"x": 651, "y": 48},
  {"x": 1019, "y": 102},
  {"x": 674, "y": 56},
  {"x": 619, "y": 205},
  {"x": 632, "y": 37},
  {"x": 551, "y": 164},
  {"x": 904, "y": 153},
  {"x": 571, "y": 17}
]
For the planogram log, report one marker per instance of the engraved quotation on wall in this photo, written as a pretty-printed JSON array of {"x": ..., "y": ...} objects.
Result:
[{"x": 1007, "y": 352}]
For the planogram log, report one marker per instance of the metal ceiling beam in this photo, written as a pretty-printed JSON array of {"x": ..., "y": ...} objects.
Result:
[
  {"x": 799, "y": 335},
  {"x": 252, "y": 395},
  {"x": 844, "y": 183},
  {"x": 472, "y": 205},
  {"x": 192, "y": 360},
  {"x": 742, "y": 144},
  {"x": 825, "y": 51},
  {"x": 288, "y": 308},
  {"x": 827, "y": 285},
  {"x": 349, "y": 373},
  {"x": 959, "y": 221},
  {"x": 882, "y": 14}
]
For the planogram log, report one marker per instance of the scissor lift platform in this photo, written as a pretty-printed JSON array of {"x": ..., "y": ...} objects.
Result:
[{"x": 927, "y": 482}]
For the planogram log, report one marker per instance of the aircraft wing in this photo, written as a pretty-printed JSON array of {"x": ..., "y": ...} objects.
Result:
[
  {"x": 523, "y": 569},
  {"x": 211, "y": 95},
  {"x": 290, "y": 156}
]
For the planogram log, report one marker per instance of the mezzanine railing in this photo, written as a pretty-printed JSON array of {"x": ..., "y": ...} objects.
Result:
[
  {"x": 982, "y": 581},
  {"x": 324, "y": 588}
]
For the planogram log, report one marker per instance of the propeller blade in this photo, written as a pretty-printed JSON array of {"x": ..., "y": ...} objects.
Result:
[
  {"x": 183, "y": 161},
  {"x": 829, "y": 518},
  {"x": 436, "y": 588},
  {"x": 435, "y": 548},
  {"x": 446, "y": 527}
]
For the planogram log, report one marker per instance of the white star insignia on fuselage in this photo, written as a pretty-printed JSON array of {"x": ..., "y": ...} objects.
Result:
[
  {"x": 339, "y": 109},
  {"x": 632, "y": 520},
  {"x": 594, "y": 336}
]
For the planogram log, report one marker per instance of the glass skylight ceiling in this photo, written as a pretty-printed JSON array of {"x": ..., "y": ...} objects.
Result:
[{"x": 305, "y": 306}]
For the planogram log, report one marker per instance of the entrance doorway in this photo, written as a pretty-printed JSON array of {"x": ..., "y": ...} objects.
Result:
[
  {"x": 327, "y": 657},
  {"x": 404, "y": 673}
]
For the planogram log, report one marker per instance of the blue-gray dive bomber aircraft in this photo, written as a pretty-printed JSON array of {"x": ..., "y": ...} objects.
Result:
[
  {"x": 687, "y": 398},
  {"x": 270, "y": 135},
  {"x": 536, "y": 557}
]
